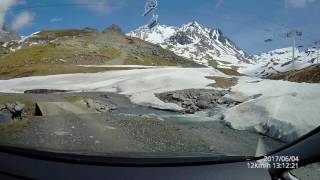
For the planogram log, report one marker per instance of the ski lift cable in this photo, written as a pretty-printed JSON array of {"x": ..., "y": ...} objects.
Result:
[
  {"x": 36, "y": 6},
  {"x": 286, "y": 28},
  {"x": 282, "y": 26},
  {"x": 151, "y": 7},
  {"x": 39, "y": 6}
]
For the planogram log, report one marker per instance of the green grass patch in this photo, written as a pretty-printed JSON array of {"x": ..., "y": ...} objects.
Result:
[
  {"x": 3, "y": 51},
  {"x": 231, "y": 72},
  {"x": 223, "y": 82},
  {"x": 43, "y": 70},
  {"x": 109, "y": 52},
  {"x": 75, "y": 98},
  {"x": 72, "y": 53},
  {"x": 66, "y": 32},
  {"x": 224, "y": 62},
  {"x": 15, "y": 125},
  {"x": 309, "y": 74},
  {"x": 213, "y": 63},
  {"x": 42, "y": 54},
  {"x": 148, "y": 61}
]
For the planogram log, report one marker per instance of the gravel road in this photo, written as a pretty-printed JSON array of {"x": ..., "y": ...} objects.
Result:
[{"x": 129, "y": 128}]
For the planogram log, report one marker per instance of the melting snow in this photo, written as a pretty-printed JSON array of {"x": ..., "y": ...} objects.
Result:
[
  {"x": 282, "y": 109},
  {"x": 286, "y": 110},
  {"x": 139, "y": 85},
  {"x": 24, "y": 38}
]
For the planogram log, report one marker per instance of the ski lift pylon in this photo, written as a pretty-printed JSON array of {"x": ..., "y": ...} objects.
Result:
[
  {"x": 268, "y": 40},
  {"x": 153, "y": 22},
  {"x": 150, "y": 6},
  {"x": 294, "y": 33}
]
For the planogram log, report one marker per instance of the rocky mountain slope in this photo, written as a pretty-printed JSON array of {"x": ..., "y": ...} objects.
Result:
[
  {"x": 7, "y": 34},
  {"x": 193, "y": 41},
  {"x": 211, "y": 48},
  {"x": 60, "y": 51},
  {"x": 310, "y": 74},
  {"x": 190, "y": 45}
]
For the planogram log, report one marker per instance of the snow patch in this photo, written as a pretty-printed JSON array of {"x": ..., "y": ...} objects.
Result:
[
  {"x": 140, "y": 85},
  {"x": 280, "y": 109},
  {"x": 285, "y": 110},
  {"x": 24, "y": 38},
  {"x": 280, "y": 60}
]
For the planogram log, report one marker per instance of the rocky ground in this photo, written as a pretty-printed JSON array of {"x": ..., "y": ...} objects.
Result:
[
  {"x": 118, "y": 126},
  {"x": 193, "y": 100},
  {"x": 129, "y": 128}
]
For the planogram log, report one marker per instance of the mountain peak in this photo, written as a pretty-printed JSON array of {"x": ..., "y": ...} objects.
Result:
[
  {"x": 155, "y": 35},
  {"x": 194, "y": 23},
  {"x": 114, "y": 29},
  {"x": 194, "y": 41}
]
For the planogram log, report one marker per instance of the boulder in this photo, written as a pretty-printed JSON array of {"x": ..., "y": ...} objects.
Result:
[
  {"x": 203, "y": 104},
  {"x": 193, "y": 100},
  {"x": 15, "y": 109},
  {"x": 98, "y": 105},
  {"x": 187, "y": 103},
  {"x": 10, "y": 107},
  {"x": 237, "y": 96},
  {"x": 19, "y": 107},
  {"x": 179, "y": 97},
  {"x": 2, "y": 107},
  {"x": 191, "y": 109},
  {"x": 225, "y": 100}
]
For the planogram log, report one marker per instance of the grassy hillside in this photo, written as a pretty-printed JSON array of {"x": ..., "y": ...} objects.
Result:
[
  {"x": 233, "y": 71},
  {"x": 60, "y": 51},
  {"x": 310, "y": 75}
]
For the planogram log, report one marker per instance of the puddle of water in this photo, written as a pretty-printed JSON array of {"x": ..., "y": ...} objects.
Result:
[
  {"x": 4, "y": 118},
  {"x": 214, "y": 114}
]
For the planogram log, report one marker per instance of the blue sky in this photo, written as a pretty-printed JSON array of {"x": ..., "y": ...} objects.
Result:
[{"x": 247, "y": 22}]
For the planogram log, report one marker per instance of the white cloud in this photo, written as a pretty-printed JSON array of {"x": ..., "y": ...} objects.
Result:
[
  {"x": 4, "y": 7},
  {"x": 23, "y": 19},
  {"x": 100, "y": 6},
  {"x": 298, "y": 3},
  {"x": 56, "y": 19}
]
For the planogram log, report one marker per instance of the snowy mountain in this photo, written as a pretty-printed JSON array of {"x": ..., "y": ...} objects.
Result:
[
  {"x": 7, "y": 34},
  {"x": 280, "y": 60},
  {"x": 195, "y": 42},
  {"x": 210, "y": 47}
]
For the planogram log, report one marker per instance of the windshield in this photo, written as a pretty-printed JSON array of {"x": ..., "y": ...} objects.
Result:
[{"x": 217, "y": 77}]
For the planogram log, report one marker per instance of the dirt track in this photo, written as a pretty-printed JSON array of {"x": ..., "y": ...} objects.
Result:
[{"x": 130, "y": 128}]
